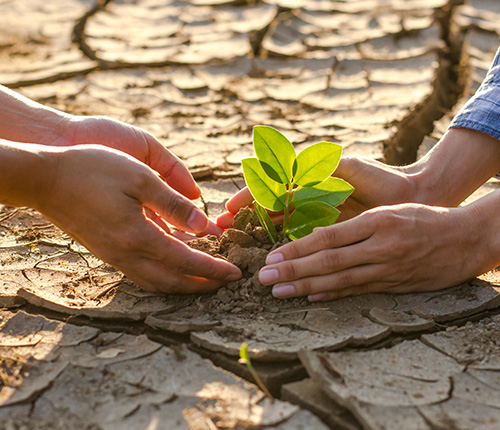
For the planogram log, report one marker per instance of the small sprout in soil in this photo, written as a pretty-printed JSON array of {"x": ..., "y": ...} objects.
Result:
[
  {"x": 245, "y": 359},
  {"x": 279, "y": 180}
]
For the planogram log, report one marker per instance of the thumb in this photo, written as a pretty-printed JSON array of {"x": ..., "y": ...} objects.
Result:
[{"x": 173, "y": 206}]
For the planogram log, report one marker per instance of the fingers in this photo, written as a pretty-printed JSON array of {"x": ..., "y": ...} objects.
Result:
[
  {"x": 155, "y": 277},
  {"x": 156, "y": 219},
  {"x": 172, "y": 169},
  {"x": 335, "y": 236},
  {"x": 225, "y": 220},
  {"x": 160, "y": 262},
  {"x": 320, "y": 263},
  {"x": 213, "y": 228},
  {"x": 352, "y": 281},
  {"x": 241, "y": 199},
  {"x": 172, "y": 206},
  {"x": 183, "y": 260}
]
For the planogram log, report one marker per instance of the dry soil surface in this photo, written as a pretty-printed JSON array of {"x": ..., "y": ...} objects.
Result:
[{"x": 81, "y": 347}]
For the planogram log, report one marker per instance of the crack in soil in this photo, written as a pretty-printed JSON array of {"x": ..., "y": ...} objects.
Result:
[{"x": 448, "y": 86}]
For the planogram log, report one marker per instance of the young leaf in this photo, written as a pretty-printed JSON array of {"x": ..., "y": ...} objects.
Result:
[
  {"x": 267, "y": 192},
  {"x": 309, "y": 216},
  {"x": 315, "y": 163},
  {"x": 332, "y": 191},
  {"x": 245, "y": 359},
  {"x": 275, "y": 152},
  {"x": 265, "y": 222}
]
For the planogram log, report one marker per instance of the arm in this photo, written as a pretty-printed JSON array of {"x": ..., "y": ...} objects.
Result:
[
  {"x": 23, "y": 120},
  {"x": 82, "y": 191},
  {"x": 72, "y": 169}
]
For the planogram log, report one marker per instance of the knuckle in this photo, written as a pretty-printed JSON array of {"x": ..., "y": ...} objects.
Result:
[
  {"x": 288, "y": 271},
  {"x": 177, "y": 207},
  {"x": 305, "y": 288},
  {"x": 364, "y": 289},
  {"x": 378, "y": 217},
  {"x": 142, "y": 179},
  {"x": 345, "y": 280},
  {"x": 290, "y": 251},
  {"x": 328, "y": 259},
  {"x": 327, "y": 236}
]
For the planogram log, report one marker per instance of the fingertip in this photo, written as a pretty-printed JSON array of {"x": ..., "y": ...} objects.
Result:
[
  {"x": 213, "y": 229},
  {"x": 195, "y": 191},
  {"x": 180, "y": 179},
  {"x": 233, "y": 276},
  {"x": 241, "y": 199},
  {"x": 274, "y": 258},
  {"x": 320, "y": 297},
  {"x": 225, "y": 220},
  {"x": 232, "y": 272}
]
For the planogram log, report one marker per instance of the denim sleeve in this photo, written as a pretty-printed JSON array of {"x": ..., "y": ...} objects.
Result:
[{"x": 482, "y": 111}]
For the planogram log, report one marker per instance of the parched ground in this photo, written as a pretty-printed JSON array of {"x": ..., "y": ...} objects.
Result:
[{"x": 81, "y": 347}]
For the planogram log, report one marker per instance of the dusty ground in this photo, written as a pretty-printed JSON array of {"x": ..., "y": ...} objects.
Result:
[{"x": 83, "y": 348}]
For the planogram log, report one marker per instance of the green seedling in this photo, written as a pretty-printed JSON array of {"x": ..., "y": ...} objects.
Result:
[
  {"x": 245, "y": 359},
  {"x": 281, "y": 180}
]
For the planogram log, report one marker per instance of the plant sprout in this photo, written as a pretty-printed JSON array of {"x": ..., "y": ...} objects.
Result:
[
  {"x": 245, "y": 359},
  {"x": 279, "y": 179}
]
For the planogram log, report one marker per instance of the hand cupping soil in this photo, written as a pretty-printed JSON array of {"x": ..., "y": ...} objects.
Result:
[{"x": 246, "y": 245}]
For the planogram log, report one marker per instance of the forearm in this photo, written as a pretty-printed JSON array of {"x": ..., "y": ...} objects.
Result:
[
  {"x": 23, "y": 120},
  {"x": 469, "y": 153},
  {"x": 460, "y": 163},
  {"x": 486, "y": 230},
  {"x": 26, "y": 171}
]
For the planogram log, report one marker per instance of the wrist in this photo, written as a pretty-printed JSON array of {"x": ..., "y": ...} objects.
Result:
[
  {"x": 27, "y": 173},
  {"x": 482, "y": 215},
  {"x": 460, "y": 163},
  {"x": 24, "y": 120}
]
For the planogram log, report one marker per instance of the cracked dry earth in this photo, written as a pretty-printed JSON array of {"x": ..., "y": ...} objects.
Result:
[{"x": 83, "y": 348}]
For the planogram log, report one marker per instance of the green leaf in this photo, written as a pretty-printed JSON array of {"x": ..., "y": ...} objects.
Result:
[
  {"x": 309, "y": 216},
  {"x": 244, "y": 358},
  {"x": 267, "y": 192},
  {"x": 275, "y": 152},
  {"x": 332, "y": 191},
  {"x": 315, "y": 163},
  {"x": 265, "y": 222}
]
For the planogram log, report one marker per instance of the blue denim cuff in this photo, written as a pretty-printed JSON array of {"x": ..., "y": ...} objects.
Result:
[{"x": 482, "y": 111}]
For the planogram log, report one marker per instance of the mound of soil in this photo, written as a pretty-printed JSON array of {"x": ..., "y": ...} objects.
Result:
[{"x": 246, "y": 245}]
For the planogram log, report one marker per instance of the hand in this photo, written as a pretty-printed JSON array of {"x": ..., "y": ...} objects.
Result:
[
  {"x": 99, "y": 195},
  {"x": 396, "y": 249},
  {"x": 144, "y": 147},
  {"x": 139, "y": 144},
  {"x": 374, "y": 183}
]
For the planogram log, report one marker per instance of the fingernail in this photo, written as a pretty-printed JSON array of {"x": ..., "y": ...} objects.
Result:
[
  {"x": 197, "y": 221},
  {"x": 318, "y": 228},
  {"x": 275, "y": 258},
  {"x": 268, "y": 276},
  {"x": 317, "y": 297},
  {"x": 284, "y": 291}
]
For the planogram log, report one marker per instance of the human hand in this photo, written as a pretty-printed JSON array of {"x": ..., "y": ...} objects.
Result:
[
  {"x": 136, "y": 142},
  {"x": 141, "y": 145},
  {"x": 374, "y": 183},
  {"x": 396, "y": 249},
  {"x": 99, "y": 196}
]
